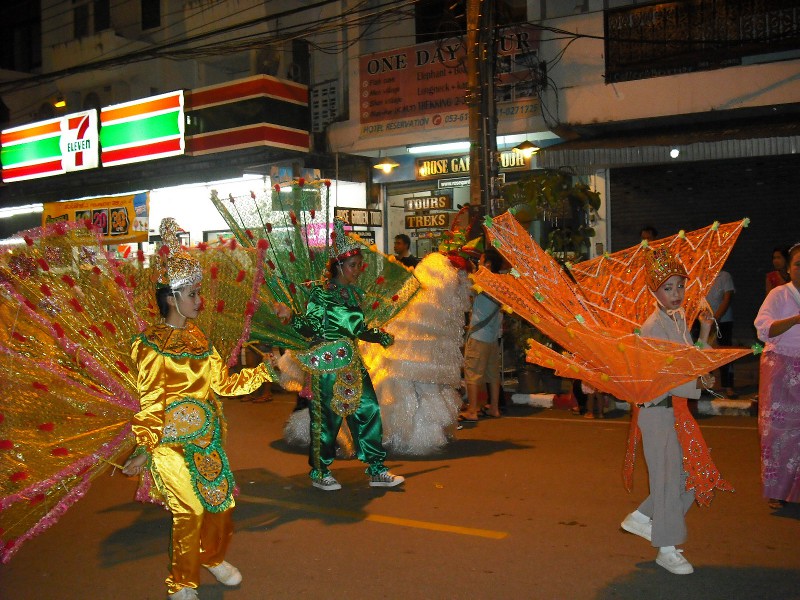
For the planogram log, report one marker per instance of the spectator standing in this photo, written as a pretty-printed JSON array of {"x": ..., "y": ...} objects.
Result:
[
  {"x": 780, "y": 264},
  {"x": 482, "y": 352},
  {"x": 402, "y": 251},
  {"x": 720, "y": 298},
  {"x": 778, "y": 326}
]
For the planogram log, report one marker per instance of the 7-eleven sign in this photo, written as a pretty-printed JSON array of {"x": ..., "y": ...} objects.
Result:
[
  {"x": 52, "y": 147},
  {"x": 80, "y": 141}
]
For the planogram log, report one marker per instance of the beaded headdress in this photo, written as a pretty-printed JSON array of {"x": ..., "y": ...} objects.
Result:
[
  {"x": 176, "y": 267},
  {"x": 660, "y": 264},
  {"x": 342, "y": 245}
]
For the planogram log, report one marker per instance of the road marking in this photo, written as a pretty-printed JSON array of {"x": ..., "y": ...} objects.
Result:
[{"x": 484, "y": 533}]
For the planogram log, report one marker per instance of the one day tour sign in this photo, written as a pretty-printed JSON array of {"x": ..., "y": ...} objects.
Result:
[{"x": 423, "y": 87}]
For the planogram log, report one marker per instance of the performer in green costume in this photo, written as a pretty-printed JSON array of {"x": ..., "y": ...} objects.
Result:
[
  {"x": 308, "y": 304},
  {"x": 342, "y": 388}
]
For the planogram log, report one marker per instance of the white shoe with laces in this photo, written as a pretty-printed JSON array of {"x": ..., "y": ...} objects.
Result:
[
  {"x": 638, "y": 527},
  {"x": 385, "y": 479},
  {"x": 186, "y": 593},
  {"x": 672, "y": 560},
  {"x": 327, "y": 483},
  {"x": 226, "y": 573}
]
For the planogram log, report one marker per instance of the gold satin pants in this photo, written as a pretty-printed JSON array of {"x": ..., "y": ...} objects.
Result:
[{"x": 199, "y": 538}]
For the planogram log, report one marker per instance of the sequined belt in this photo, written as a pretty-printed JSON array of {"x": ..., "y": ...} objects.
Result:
[{"x": 339, "y": 357}]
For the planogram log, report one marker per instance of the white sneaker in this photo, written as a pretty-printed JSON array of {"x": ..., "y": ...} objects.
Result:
[
  {"x": 226, "y": 573},
  {"x": 327, "y": 483},
  {"x": 673, "y": 561},
  {"x": 633, "y": 525},
  {"x": 186, "y": 593},
  {"x": 385, "y": 479}
]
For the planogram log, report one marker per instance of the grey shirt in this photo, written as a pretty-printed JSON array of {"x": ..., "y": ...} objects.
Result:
[{"x": 661, "y": 326}]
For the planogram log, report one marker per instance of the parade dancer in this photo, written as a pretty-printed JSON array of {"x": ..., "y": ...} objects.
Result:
[
  {"x": 341, "y": 385},
  {"x": 180, "y": 431}
]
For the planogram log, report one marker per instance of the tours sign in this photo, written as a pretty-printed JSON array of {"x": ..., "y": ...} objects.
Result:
[
  {"x": 441, "y": 201},
  {"x": 52, "y": 147}
]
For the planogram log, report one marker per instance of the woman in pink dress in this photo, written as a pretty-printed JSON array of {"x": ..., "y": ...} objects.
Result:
[{"x": 778, "y": 325}]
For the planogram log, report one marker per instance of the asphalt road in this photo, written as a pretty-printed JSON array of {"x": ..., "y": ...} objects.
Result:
[{"x": 527, "y": 506}]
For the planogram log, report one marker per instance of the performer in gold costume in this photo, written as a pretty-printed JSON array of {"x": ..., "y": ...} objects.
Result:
[{"x": 180, "y": 431}]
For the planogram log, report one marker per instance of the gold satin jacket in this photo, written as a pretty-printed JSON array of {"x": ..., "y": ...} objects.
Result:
[{"x": 175, "y": 364}]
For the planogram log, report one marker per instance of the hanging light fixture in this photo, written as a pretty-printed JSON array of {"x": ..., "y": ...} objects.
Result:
[
  {"x": 527, "y": 149},
  {"x": 386, "y": 165}
]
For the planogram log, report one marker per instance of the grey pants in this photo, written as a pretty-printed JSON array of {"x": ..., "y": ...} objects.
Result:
[{"x": 668, "y": 500}]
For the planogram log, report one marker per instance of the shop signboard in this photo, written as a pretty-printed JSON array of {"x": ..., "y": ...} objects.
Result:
[
  {"x": 255, "y": 111},
  {"x": 368, "y": 237},
  {"x": 141, "y": 130},
  {"x": 120, "y": 219},
  {"x": 442, "y": 200},
  {"x": 454, "y": 183},
  {"x": 458, "y": 166},
  {"x": 359, "y": 216},
  {"x": 52, "y": 147},
  {"x": 423, "y": 87},
  {"x": 430, "y": 220}
]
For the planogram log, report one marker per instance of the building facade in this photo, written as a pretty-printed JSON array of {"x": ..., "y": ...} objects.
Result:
[{"x": 678, "y": 113}]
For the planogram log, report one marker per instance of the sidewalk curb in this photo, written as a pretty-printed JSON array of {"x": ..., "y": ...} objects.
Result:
[{"x": 717, "y": 406}]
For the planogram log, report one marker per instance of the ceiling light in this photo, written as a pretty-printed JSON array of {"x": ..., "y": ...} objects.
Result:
[
  {"x": 60, "y": 102},
  {"x": 386, "y": 165},
  {"x": 526, "y": 148},
  {"x": 431, "y": 148}
]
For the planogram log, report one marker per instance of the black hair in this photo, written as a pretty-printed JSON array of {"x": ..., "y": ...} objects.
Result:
[
  {"x": 334, "y": 268},
  {"x": 493, "y": 259},
  {"x": 405, "y": 238},
  {"x": 335, "y": 265},
  {"x": 651, "y": 229},
  {"x": 792, "y": 251},
  {"x": 783, "y": 250},
  {"x": 161, "y": 300}
]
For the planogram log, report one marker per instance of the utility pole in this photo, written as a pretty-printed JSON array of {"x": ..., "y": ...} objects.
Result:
[{"x": 482, "y": 108}]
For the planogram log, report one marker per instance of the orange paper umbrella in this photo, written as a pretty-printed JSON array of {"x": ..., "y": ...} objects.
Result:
[{"x": 601, "y": 347}]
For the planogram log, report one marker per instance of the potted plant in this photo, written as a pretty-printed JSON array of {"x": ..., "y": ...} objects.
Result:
[{"x": 566, "y": 206}]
